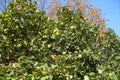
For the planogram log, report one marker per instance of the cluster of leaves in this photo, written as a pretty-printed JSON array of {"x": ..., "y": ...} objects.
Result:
[{"x": 32, "y": 46}]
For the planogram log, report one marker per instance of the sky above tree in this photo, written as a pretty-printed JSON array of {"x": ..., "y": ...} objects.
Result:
[{"x": 111, "y": 11}]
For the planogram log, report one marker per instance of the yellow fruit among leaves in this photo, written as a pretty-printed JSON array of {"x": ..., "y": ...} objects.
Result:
[
  {"x": 49, "y": 45},
  {"x": 54, "y": 57},
  {"x": 79, "y": 56},
  {"x": 19, "y": 45}
]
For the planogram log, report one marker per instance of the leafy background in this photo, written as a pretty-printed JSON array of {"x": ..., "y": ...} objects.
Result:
[{"x": 36, "y": 47}]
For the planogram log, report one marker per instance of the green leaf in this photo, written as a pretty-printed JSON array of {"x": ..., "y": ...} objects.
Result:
[{"x": 47, "y": 77}]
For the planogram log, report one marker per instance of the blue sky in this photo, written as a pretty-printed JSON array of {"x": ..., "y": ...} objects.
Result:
[{"x": 111, "y": 8}]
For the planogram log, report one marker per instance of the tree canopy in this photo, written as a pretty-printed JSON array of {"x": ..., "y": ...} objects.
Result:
[{"x": 34, "y": 46}]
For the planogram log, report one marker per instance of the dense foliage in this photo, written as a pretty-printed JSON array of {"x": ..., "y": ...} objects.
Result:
[{"x": 34, "y": 47}]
